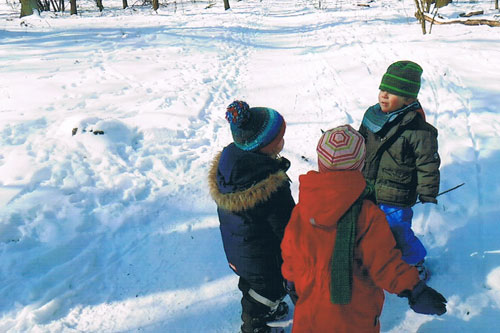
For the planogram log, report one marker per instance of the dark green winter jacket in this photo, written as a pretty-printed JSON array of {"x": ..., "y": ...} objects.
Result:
[{"x": 402, "y": 159}]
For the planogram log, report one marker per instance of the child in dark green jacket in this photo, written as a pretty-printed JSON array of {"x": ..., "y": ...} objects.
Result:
[{"x": 402, "y": 159}]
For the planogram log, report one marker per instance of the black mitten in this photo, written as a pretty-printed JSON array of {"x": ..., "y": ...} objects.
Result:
[{"x": 423, "y": 299}]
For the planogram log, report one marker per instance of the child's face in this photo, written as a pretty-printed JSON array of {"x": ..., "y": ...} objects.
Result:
[
  {"x": 279, "y": 147},
  {"x": 389, "y": 102},
  {"x": 275, "y": 149}
]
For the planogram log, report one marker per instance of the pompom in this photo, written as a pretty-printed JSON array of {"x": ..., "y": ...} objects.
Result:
[{"x": 238, "y": 113}]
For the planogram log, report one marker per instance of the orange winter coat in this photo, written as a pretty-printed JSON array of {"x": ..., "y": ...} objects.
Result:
[{"x": 307, "y": 248}]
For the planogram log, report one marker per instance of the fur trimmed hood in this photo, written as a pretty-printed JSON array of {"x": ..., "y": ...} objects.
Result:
[{"x": 245, "y": 199}]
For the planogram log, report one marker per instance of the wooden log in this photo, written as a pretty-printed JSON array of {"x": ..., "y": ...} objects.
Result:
[
  {"x": 490, "y": 23},
  {"x": 479, "y": 12}
]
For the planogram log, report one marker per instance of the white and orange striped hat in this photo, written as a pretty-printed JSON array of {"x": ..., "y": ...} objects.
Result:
[{"x": 341, "y": 148}]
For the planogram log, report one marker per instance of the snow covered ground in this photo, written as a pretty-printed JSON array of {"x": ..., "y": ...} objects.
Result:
[{"x": 116, "y": 232}]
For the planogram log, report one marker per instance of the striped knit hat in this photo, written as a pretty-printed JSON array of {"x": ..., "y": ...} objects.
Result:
[
  {"x": 256, "y": 128},
  {"x": 341, "y": 148},
  {"x": 402, "y": 78}
]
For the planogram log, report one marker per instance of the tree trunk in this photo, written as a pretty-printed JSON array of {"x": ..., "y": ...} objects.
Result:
[
  {"x": 99, "y": 5},
  {"x": 420, "y": 16},
  {"x": 55, "y": 5},
  {"x": 427, "y": 6},
  {"x": 226, "y": 4},
  {"x": 496, "y": 4},
  {"x": 156, "y": 5},
  {"x": 27, "y": 7},
  {"x": 73, "y": 7},
  {"x": 125, "y": 4}
]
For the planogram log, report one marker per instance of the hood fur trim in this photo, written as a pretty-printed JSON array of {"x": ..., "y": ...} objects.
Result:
[{"x": 246, "y": 199}]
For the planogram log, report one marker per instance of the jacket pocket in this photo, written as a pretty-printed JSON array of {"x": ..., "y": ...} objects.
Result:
[
  {"x": 400, "y": 175},
  {"x": 393, "y": 194}
]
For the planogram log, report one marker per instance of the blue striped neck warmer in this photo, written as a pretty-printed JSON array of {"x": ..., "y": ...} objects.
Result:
[{"x": 374, "y": 119}]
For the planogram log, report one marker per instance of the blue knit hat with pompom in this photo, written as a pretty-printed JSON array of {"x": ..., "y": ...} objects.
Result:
[{"x": 253, "y": 128}]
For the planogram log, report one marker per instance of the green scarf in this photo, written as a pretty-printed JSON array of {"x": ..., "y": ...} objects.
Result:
[{"x": 343, "y": 253}]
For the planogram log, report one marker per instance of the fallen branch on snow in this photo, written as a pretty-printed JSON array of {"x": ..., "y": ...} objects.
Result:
[
  {"x": 491, "y": 23},
  {"x": 479, "y": 12}
]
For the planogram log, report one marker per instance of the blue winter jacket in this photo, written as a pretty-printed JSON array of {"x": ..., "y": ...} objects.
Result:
[{"x": 254, "y": 203}]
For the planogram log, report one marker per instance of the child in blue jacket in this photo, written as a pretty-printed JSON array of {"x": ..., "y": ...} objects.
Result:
[{"x": 249, "y": 184}]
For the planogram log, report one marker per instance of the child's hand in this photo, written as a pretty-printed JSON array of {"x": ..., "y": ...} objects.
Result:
[
  {"x": 423, "y": 299},
  {"x": 426, "y": 198}
]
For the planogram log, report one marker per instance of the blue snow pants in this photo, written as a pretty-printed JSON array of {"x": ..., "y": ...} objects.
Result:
[{"x": 400, "y": 223}]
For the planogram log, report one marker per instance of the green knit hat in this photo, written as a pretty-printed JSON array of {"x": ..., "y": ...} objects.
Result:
[{"x": 402, "y": 78}]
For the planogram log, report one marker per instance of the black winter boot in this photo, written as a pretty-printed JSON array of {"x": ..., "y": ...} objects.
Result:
[
  {"x": 263, "y": 329},
  {"x": 254, "y": 324},
  {"x": 259, "y": 324},
  {"x": 279, "y": 313}
]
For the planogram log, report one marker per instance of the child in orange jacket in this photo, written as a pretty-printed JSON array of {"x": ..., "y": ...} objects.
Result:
[{"x": 338, "y": 249}]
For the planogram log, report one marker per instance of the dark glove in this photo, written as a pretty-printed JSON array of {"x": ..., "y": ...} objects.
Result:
[
  {"x": 290, "y": 289},
  {"x": 423, "y": 299},
  {"x": 426, "y": 198}
]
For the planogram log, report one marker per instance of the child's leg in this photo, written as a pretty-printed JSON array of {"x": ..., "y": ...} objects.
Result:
[
  {"x": 399, "y": 219},
  {"x": 261, "y": 304}
]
